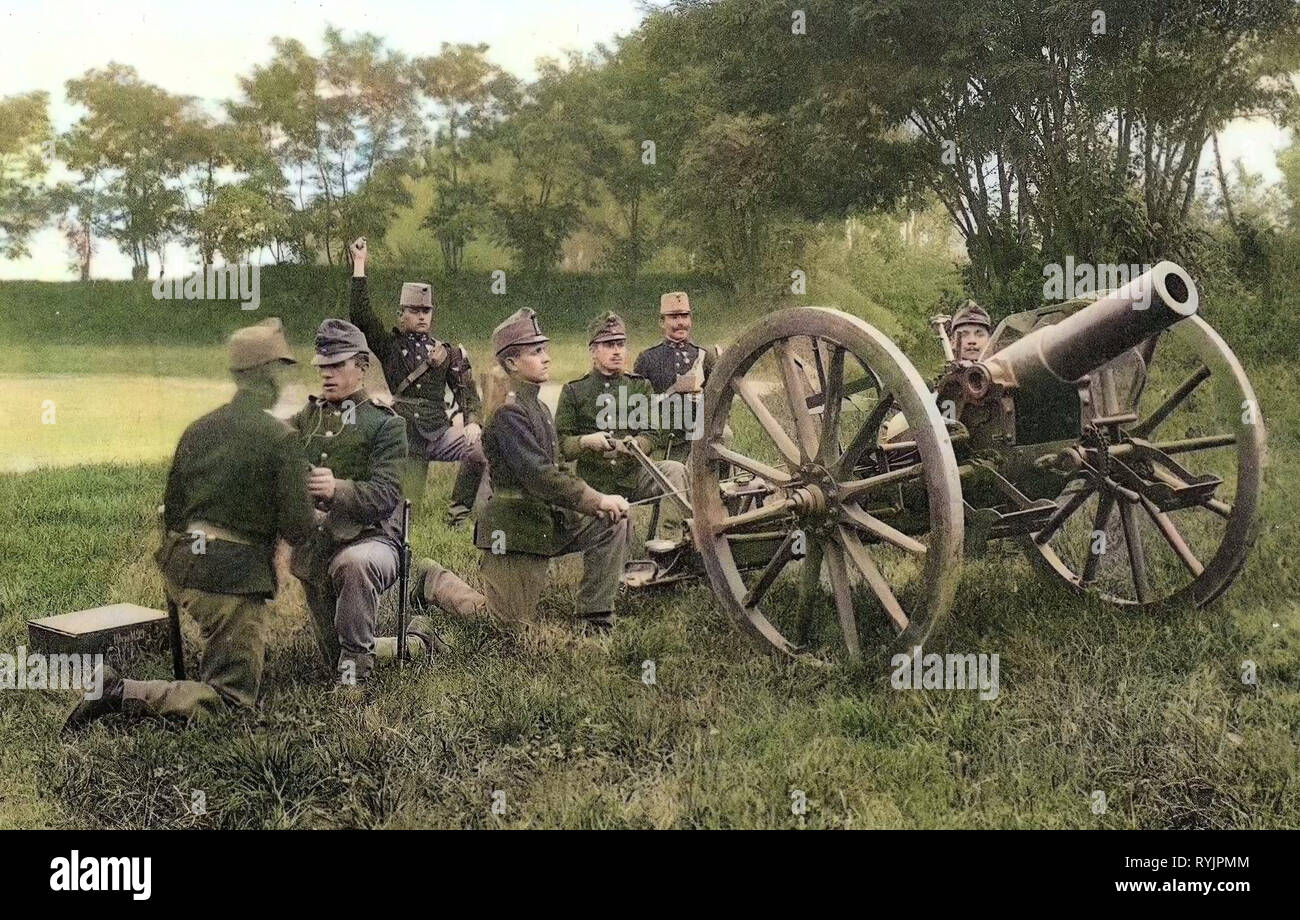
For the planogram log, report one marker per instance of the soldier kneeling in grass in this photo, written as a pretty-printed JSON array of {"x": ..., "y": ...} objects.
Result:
[
  {"x": 598, "y": 411},
  {"x": 419, "y": 370},
  {"x": 537, "y": 511},
  {"x": 237, "y": 481},
  {"x": 355, "y": 448}
]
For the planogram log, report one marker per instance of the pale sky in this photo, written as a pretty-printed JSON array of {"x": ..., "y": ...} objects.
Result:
[{"x": 188, "y": 50}]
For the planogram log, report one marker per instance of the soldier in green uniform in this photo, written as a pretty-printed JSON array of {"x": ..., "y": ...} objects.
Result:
[
  {"x": 971, "y": 328},
  {"x": 236, "y": 482},
  {"x": 355, "y": 449},
  {"x": 537, "y": 511},
  {"x": 597, "y": 411},
  {"x": 677, "y": 367},
  {"x": 419, "y": 369}
]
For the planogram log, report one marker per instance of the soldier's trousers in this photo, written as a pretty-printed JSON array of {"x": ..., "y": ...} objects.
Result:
[
  {"x": 513, "y": 582},
  {"x": 451, "y": 446},
  {"x": 345, "y": 606},
  {"x": 233, "y": 657},
  {"x": 671, "y": 515}
]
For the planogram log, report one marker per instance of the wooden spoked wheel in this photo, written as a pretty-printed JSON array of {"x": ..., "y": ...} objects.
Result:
[
  {"x": 799, "y": 401},
  {"x": 1175, "y": 514}
]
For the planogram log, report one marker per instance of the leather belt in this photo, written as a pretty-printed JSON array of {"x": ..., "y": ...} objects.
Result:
[{"x": 217, "y": 532}]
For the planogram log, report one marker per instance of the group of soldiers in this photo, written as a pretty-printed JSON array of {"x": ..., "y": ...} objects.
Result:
[{"x": 331, "y": 484}]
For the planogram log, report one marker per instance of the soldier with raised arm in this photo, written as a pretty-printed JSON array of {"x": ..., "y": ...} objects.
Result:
[{"x": 419, "y": 369}]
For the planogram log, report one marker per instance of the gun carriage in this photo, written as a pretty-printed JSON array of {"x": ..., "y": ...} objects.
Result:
[{"x": 1116, "y": 439}]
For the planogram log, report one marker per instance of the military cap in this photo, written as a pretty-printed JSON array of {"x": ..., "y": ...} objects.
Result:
[
  {"x": 337, "y": 340},
  {"x": 676, "y": 302},
  {"x": 608, "y": 327},
  {"x": 520, "y": 328},
  {"x": 972, "y": 314},
  {"x": 418, "y": 294},
  {"x": 260, "y": 344}
]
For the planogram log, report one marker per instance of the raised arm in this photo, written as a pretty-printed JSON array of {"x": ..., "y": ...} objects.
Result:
[{"x": 360, "y": 312}]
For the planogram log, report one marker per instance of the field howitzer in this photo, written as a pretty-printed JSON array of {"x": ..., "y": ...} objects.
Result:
[{"x": 1116, "y": 439}]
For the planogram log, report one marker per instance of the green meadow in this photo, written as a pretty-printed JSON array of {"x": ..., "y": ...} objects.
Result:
[{"x": 561, "y": 728}]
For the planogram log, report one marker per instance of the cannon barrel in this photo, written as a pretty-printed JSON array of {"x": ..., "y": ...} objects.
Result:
[{"x": 1098, "y": 333}]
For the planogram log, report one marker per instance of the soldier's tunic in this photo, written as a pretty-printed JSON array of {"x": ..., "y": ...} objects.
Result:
[
  {"x": 352, "y": 557},
  {"x": 236, "y": 482},
  {"x": 418, "y": 369},
  {"x": 536, "y": 511},
  {"x": 592, "y": 404},
  {"x": 662, "y": 364}
]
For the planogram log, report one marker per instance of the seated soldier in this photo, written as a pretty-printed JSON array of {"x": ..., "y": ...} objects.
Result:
[
  {"x": 355, "y": 449},
  {"x": 537, "y": 511},
  {"x": 597, "y": 411}
]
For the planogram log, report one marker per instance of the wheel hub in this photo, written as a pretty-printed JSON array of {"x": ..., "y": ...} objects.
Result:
[{"x": 817, "y": 495}]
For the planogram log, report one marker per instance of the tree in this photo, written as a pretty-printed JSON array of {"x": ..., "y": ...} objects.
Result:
[
  {"x": 726, "y": 187},
  {"x": 204, "y": 150},
  {"x": 25, "y": 148},
  {"x": 75, "y": 206},
  {"x": 1050, "y": 131},
  {"x": 635, "y": 144},
  {"x": 1045, "y": 128},
  {"x": 124, "y": 149},
  {"x": 468, "y": 94},
  {"x": 547, "y": 187},
  {"x": 341, "y": 128}
]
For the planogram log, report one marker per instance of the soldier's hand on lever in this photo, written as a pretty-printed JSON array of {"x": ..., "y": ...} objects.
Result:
[
  {"x": 473, "y": 432},
  {"x": 320, "y": 483},
  {"x": 598, "y": 442},
  {"x": 612, "y": 507},
  {"x": 359, "y": 255},
  {"x": 619, "y": 447}
]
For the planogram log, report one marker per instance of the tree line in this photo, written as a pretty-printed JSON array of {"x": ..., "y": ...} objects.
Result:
[{"x": 726, "y": 128}]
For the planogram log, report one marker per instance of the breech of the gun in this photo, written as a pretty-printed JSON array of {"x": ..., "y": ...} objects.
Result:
[{"x": 1098, "y": 333}]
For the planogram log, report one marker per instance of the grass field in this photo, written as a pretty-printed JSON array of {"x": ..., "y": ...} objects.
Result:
[{"x": 562, "y": 728}]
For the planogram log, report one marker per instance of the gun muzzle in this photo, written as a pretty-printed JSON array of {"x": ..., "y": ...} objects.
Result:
[{"x": 1100, "y": 332}]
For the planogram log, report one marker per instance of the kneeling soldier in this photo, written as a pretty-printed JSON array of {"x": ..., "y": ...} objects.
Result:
[
  {"x": 597, "y": 411},
  {"x": 355, "y": 449},
  {"x": 237, "y": 481},
  {"x": 419, "y": 368},
  {"x": 537, "y": 511}
]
